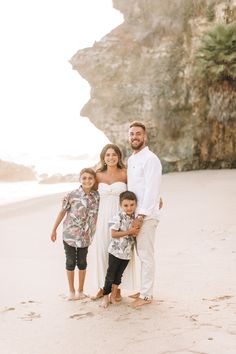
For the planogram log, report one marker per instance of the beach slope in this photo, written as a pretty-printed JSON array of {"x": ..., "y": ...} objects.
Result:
[{"x": 194, "y": 310}]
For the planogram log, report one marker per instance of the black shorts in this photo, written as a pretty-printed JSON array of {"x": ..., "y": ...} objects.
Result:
[{"x": 75, "y": 256}]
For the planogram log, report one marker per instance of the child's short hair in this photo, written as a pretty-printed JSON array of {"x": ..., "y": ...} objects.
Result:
[
  {"x": 127, "y": 195},
  {"x": 87, "y": 170}
]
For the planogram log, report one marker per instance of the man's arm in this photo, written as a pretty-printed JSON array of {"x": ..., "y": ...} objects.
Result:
[{"x": 152, "y": 180}]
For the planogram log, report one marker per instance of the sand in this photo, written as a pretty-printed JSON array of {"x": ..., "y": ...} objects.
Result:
[{"x": 194, "y": 310}]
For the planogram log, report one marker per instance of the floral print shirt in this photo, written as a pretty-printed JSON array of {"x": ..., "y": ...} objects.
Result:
[
  {"x": 121, "y": 247},
  {"x": 80, "y": 222}
]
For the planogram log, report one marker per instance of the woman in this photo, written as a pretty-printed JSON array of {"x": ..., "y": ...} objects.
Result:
[{"x": 112, "y": 180}]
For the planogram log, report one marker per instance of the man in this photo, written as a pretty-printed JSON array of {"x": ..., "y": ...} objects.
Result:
[{"x": 144, "y": 178}]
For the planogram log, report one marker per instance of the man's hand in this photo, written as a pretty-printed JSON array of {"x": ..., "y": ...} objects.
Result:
[
  {"x": 133, "y": 231},
  {"x": 138, "y": 222}
]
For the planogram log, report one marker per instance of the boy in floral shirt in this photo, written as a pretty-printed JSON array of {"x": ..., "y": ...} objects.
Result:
[
  {"x": 80, "y": 209},
  {"x": 121, "y": 245}
]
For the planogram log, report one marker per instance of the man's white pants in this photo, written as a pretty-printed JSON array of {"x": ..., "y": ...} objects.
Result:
[{"x": 146, "y": 254}]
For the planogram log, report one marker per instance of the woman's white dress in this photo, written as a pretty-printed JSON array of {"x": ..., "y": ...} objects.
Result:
[{"x": 98, "y": 251}]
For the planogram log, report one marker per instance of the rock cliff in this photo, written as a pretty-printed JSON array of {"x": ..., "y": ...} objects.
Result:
[
  {"x": 13, "y": 172},
  {"x": 145, "y": 69}
]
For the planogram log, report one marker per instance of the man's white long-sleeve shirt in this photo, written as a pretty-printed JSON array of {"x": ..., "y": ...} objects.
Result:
[{"x": 144, "y": 179}]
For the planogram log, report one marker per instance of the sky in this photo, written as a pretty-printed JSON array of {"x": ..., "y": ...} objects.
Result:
[{"x": 41, "y": 96}]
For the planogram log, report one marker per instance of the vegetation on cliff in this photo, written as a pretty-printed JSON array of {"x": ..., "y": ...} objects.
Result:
[{"x": 217, "y": 54}]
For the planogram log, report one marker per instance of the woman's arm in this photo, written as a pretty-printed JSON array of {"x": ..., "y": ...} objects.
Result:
[{"x": 124, "y": 175}]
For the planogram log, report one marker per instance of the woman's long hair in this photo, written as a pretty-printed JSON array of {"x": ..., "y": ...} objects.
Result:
[{"x": 102, "y": 165}]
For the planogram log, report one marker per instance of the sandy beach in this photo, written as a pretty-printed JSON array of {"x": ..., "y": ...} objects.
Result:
[{"x": 194, "y": 310}]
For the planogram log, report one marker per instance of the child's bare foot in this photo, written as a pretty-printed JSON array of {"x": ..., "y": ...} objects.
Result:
[
  {"x": 98, "y": 295},
  {"x": 118, "y": 295},
  {"x": 80, "y": 295},
  {"x": 71, "y": 296},
  {"x": 105, "y": 301},
  {"x": 113, "y": 300},
  {"x": 134, "y": 296}
]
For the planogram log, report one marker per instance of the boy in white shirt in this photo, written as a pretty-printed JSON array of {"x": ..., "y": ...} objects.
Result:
[{"x": 121, "y": 246}]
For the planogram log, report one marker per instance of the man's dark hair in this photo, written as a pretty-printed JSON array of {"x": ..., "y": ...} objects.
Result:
[
  {"x": 127, "y": 195},
  {"x": 138, "y": 124}
]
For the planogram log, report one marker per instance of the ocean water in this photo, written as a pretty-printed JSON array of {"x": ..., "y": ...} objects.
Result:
[
  {"x": 18, "y": 191},
  {"x": 11, "y": 192}
]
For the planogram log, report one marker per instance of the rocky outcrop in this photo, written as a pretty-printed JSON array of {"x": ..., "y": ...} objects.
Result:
[
  {"x": 12, "y": 172},
  {"x": 145, "y": 70}
]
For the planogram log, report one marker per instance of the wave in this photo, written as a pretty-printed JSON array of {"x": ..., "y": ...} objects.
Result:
[{"x": 20, "y": 191}]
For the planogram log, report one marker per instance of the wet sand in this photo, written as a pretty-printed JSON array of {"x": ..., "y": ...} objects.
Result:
[{"x": 194, "y": 310}]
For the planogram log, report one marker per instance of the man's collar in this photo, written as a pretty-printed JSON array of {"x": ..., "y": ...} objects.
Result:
[{"x": 145, "y": 148}]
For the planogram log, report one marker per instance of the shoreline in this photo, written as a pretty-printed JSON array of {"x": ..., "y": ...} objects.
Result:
[
  {"x": 14, "y": 192},
  {"x": 23, "y": 206}
]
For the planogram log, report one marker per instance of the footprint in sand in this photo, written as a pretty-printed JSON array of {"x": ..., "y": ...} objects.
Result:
[
  {"x": 78, "y": 316},
  {"x": 232, "y": 330},
  {"x": 203, "y": 324},
  {"x": 193, "y": 317},
  {"x": 30, "y": 316},
  {"x": 122, "y": 318},
  {"x": 219, "y": 298},
  {"x": 7, "y": 309},
  {"x": 214, "y": 307},
  {"x": 29, "y": 302}
]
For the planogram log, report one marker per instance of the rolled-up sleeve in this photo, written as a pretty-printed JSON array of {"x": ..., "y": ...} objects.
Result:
[
  {"x": 114, "y": 223},
  {"x": 66, "y": 202}
]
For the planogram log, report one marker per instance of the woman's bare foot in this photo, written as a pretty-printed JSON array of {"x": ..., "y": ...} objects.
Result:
[
  {"x": 98, "y": 295},
  {"x": 140, "y": 302},
  {"x": 105, "y": 301}
]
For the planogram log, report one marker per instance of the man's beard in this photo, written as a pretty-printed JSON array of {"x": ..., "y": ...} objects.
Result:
[{"x": 137, "y": 147}]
